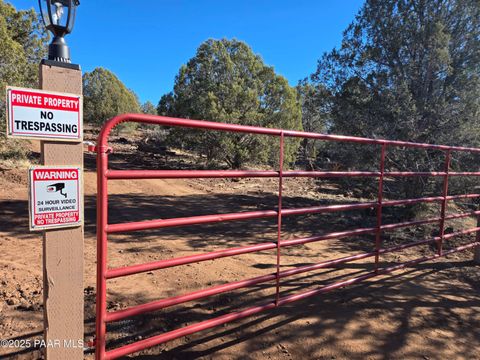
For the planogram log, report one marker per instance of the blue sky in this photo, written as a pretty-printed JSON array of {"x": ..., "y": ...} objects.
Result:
[{"x": 145, "y": 42}]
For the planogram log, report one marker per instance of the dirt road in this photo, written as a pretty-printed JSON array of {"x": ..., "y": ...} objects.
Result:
[{"x": 430, "y": 311}]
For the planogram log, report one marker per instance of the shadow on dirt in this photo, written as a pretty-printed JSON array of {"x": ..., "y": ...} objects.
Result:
[
  {"x": 329, "y": 319},
  {"x": 321, "y": 322},
  {"x": 138, "y": 207},
  {"x": 326, "y": 320}
]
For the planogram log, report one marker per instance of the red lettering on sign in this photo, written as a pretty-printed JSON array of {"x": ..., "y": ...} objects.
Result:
[
  {"x": 44, "y": 101},
  {"x": 50, "y": 174}
]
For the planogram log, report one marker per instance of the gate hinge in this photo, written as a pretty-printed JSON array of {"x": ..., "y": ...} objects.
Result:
[{"x": 91, "y": 147}]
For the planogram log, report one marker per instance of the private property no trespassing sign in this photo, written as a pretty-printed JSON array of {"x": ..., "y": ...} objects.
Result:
[
  {"x": 44, "y": 115},
  {"x": 55, "y": 197}
]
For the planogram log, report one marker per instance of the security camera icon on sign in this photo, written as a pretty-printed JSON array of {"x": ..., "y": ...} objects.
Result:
[{"x": 57, "y": 187}]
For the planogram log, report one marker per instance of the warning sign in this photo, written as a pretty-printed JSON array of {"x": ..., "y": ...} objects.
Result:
[
  {"x": 55, "y": 197},
  {"x": 43, "y": 114}
]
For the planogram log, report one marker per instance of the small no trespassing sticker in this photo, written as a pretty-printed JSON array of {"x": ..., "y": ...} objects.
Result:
[{"x": 55, "y": 197}]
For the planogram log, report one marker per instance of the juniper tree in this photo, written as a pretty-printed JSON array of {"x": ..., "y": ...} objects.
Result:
[
  {"x": 226, "y": 82},
  {"x": 23, "y": 43},
  {"x": 407, "y": 70},
  {"x": 105, "y": 96}
]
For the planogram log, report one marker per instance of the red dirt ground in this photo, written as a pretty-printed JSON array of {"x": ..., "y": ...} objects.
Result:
[{"x": 429, "y": 311}]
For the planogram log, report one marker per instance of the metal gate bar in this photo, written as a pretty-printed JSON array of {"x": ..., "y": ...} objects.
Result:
[
  {"x": 215, "y": 290},
  {"x": 104, "y": 228},
  {"x": 162, "y": 264}
]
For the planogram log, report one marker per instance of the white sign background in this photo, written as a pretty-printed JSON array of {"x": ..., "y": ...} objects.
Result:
[{"x": 55, "y": 197}]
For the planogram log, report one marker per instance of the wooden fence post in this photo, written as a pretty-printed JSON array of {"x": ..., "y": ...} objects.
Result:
[{"x": 62, "y": 248}]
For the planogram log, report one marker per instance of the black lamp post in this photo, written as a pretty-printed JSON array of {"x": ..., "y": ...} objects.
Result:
[{"x": 59, "y": 17}]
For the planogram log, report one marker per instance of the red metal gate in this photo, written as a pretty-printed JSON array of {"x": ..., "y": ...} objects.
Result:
[{"x": 104, "y": 174}]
